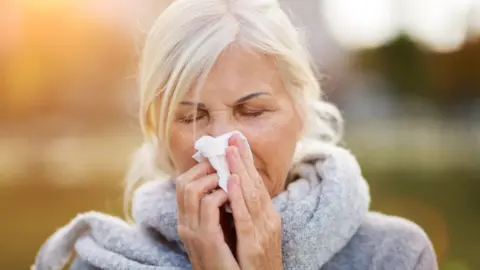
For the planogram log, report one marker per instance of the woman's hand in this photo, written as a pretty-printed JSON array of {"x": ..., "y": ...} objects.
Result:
[
  {"x": 257, "y": 224},
  {"x": 199, "y": 219}
]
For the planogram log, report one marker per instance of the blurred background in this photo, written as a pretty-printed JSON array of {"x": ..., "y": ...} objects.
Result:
[{"x": 405, "y": 73}]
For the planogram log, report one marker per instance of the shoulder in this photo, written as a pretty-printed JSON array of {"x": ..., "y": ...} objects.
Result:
[
  {"x": 387, "y": 242},
  {"x": 383, "y": 230}
]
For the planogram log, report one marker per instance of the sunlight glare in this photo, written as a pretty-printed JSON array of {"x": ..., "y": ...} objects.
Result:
[
  {"x": 438, "y": 24},
  {"x": 361, "y": 24}
]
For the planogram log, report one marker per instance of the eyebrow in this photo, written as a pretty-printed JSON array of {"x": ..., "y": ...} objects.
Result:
[
  {"x": 241, "y": 100},
  {"x": 195, "y": 104},
  {"x": 250, "y": 96}
]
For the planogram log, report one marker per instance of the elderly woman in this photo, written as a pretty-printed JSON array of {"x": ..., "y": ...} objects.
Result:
[{"x": 295, "y": 200}]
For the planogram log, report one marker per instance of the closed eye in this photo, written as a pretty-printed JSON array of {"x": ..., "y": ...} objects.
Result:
[
  {"x": 188, "y": 119},
  {"x": 248, "y": 112},
  {"x": 253, "y": 114}
]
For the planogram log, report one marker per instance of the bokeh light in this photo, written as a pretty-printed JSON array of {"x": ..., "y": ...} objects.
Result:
[
  {"x": 361, "y": 24},
  {"x": 439, "y": 24},
  {"x": 405, "y": 74}
]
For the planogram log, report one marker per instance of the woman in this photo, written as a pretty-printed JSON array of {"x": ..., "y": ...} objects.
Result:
[{"x": 298, "y": 201}]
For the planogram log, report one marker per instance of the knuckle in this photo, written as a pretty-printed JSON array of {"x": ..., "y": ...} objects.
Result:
[
  {"x": 191, "y": 189},
  {"x": 188, "y": 188},
  {"x": 257, "y": 250},
  {"x": 181, "y": 180},
  {"x": 258, "y": 180},
  {"x": 244, "y": 219},
  {"x": 254, "y": 196},
  {"x": 208, "y": 200},
  {"x": 204, "y": 190},
  {"x": 245, "y": 226}
]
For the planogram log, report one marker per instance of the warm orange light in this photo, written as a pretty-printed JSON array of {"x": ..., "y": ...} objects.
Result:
[
  {"x": 47, "y": 5},
  {"x": 59, "y": 46}
]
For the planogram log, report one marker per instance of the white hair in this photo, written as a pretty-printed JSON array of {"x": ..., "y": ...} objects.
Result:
[{"x": 180, "y": 50}]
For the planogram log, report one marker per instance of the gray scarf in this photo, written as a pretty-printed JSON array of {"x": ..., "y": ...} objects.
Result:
[{"x": 321, "y": 210}]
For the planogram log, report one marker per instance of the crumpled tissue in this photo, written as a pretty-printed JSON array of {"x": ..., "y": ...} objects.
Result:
[{"x": 214, "y": 149}]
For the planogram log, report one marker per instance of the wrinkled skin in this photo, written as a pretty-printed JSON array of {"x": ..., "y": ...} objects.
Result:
[{"x": 242, "y": 92}]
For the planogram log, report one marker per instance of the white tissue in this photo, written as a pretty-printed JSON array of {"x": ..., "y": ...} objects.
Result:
[{"x": 214, "y": 149}]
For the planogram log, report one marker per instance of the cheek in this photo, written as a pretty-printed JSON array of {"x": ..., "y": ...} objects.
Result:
[
  {"x": 182, "y": 150},
  {"x": 273, "y": 141},
  {"x": 277, "y": 133}
]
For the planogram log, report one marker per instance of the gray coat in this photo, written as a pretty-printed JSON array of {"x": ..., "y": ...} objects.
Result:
[
  {"x": 325, "y": 220},
  {"x": 386, "y": 242}
]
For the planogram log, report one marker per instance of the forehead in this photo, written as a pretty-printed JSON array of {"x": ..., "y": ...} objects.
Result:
[{"x": 237, "y": 73}]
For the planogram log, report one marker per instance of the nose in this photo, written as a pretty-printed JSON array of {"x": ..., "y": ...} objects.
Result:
[{"x": 221, "y": 124}]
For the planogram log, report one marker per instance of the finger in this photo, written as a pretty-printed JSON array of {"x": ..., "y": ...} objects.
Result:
[
  {"x": 237, "y": 166},
  {"x": 210, "y": 210},
  {"x": 194, "y": 192},
  {"x": 252, "y": 193},
  {"x": 199, "y": 170},
  {"x": 241, "y": 216},
  {"x": 245, "y": 154},
  {"x": 247, "y": 159}
]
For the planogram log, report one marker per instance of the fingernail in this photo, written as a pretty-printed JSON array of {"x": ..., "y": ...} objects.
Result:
[{"x": 234, "y": 140}]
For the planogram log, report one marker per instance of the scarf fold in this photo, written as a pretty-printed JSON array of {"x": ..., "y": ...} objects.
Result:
[{"x": 321, "y": 209}]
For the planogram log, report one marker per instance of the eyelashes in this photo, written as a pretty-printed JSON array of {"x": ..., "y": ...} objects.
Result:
[
  {"x": 253, "y": 114},
  {"x": 242, "y": 112},
  {"x": 191, "y": 118}
]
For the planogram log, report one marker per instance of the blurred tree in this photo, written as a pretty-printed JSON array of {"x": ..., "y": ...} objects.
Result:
[
  {"x": 68, "y": 58},
  {"x": 447, "y": 79}
]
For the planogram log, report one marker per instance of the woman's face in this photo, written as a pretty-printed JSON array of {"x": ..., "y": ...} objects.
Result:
[{"x": 242, "y": 92}]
